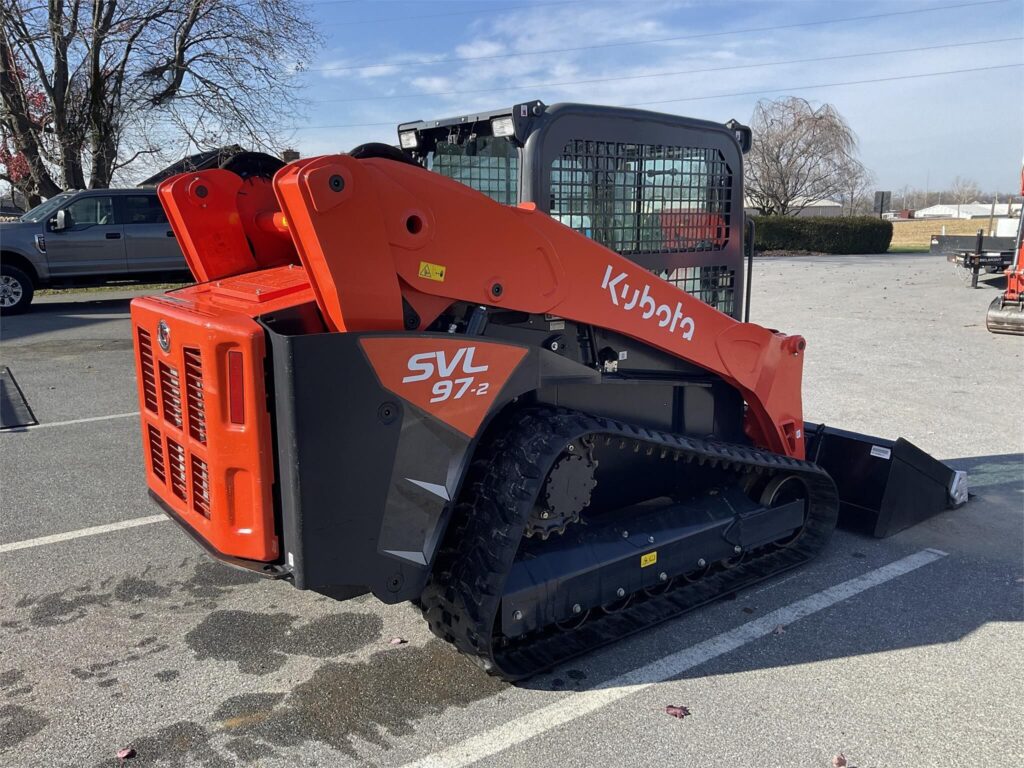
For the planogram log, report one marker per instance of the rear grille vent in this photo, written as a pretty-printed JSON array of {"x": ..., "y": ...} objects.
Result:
[
  {"x": 148, "y": 374},
  {"x": 194, "y": 395},
  {"x": 170, "y": 393},
  {"x": 176, "y": 462},
  {"x": 200, "y": 487},
  {"x": 156, "y": 454}
]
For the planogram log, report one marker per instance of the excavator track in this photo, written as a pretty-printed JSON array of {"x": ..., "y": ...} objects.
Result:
[{"x": 462, "y": 600}]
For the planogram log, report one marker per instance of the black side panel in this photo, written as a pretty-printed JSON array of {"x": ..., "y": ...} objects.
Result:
[
  {"x": 885, "y": 486},
  {"x": 366, "y": 478},
  {"x": 337, "y": 442}
]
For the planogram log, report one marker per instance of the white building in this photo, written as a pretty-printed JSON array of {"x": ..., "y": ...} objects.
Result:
[
  {"x": 973, "y": 210},
  {"x": 817, "y": 209}
]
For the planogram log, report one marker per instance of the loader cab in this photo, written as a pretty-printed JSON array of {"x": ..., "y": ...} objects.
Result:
[{"x": 662, "y": 190}]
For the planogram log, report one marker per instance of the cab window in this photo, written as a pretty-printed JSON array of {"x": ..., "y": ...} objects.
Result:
[
  {"x": 143, "y": 209},
  {"x": 90, "y": 211}
]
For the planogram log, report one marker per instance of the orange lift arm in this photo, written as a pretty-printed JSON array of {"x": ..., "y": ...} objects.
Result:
[{"x": 374, "y": 232}]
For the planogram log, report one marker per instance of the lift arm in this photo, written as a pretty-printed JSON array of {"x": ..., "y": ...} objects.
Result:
[{"x": 374, "y": 233}]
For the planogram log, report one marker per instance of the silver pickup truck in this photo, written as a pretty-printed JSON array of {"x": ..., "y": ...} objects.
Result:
[{"x": 90, "y": 237}]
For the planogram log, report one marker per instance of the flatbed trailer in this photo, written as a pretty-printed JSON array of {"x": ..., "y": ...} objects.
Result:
[{"x": 976, "y": 252}]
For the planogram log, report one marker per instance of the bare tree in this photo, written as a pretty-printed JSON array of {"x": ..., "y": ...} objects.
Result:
[
  {"x": 964, "y": 191},
  {"x": 800, "y": 155},
  {"x": 856, "y": 180},
  {"x": 120, "y": 80},
  {"x": 906, "y": 192}
]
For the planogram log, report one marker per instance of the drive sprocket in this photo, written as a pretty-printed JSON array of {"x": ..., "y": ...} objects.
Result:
[{"x": 566, "y": 491}]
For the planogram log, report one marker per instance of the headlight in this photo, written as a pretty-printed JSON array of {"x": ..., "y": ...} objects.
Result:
[
  {"x": 502, "y": 126},
  {"x": 408, "y": 139}
]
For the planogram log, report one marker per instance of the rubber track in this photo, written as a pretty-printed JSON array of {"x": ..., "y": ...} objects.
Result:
[{"x": 462, "y": 599}]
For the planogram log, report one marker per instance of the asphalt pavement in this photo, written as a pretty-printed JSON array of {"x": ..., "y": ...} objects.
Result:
[{"x": 897, "y": 652}]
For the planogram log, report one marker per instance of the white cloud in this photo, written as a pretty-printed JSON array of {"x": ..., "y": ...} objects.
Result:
[
  {"x": 910, "y": 129},
  {"x": 432, "y": 84},
  {"x": 479, "y": 48}
]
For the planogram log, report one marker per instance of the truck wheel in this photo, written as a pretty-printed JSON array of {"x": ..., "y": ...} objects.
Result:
[{"x": 16, "y": 290}]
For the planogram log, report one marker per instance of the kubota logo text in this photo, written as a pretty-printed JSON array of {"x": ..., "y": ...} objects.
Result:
[
  {"x": 622, "y": 295},
  {"x": 426, "y": 365}
]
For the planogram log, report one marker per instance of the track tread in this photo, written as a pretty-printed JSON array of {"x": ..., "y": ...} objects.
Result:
[{"x": 462, "y": 598}]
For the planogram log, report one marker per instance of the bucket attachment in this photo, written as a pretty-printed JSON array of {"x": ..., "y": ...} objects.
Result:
[
  {"x": 1005, "y": 316},
  {"x": 885, "y": 486}
]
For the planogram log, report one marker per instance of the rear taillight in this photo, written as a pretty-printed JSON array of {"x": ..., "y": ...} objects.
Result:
[{"x": 236, "y": 388}]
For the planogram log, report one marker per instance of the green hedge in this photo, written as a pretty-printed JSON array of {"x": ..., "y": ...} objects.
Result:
[{"x": 854, "y": 234}]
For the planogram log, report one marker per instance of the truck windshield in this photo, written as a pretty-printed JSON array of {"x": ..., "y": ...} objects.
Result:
[
  {"x": 488, "y": 164},
  {"x": 47, "y": 209}
]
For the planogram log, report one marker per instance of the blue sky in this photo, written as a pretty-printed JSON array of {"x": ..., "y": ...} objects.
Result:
[{"x": 379, "y": 65}]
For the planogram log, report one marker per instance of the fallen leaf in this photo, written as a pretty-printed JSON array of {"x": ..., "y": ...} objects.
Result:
[
  {"x": 779, "y": 630},
  {"x": 125, "y": 754},
  {"x": 397, "y": 641},
  {"x": 748, "y": 609},
  {"x": 677, "y": 711},
  {"x": 839, "y": 761}
]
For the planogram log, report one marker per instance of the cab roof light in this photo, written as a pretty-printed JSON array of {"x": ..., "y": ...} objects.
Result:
[
  {"x": 408, "y": 139},
  {"x": 503, "y": 126}
]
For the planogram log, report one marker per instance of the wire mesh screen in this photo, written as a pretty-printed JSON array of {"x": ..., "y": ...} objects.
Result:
[
  {"x": 715, "y": 285},
  {"x": 487, "y": 164},
  {"x": 643, "y": 198}
]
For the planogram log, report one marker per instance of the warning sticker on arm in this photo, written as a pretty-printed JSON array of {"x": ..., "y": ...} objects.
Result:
[{"x": 430, "y": 271}]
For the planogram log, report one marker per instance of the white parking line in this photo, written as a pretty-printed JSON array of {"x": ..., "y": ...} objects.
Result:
[
  {"x": 73, "y": 421},
  {"x": 81, "y": 532},
  {"x": 577, "y": 705}
]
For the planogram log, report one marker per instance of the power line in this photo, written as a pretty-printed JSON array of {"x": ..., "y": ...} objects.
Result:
[
  {"x": 825, "y": 85},
  {"x": 393, "y": 123},
  {"x": 651, "y": 41},
  {"x": 665, "y": 74}
]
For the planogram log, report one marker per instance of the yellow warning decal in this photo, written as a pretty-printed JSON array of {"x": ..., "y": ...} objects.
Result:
[
  {"x": 431, "y": 271},
  {"x": 649, "y": 559}
]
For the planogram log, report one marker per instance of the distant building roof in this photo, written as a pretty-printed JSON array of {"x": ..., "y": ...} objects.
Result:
[
  {"x": 200, "y": 161},
  {"x": 973, "y": 210},
  {"x": 748, "y": 203}
]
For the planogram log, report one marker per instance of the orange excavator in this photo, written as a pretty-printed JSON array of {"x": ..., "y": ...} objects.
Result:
[
  {"x": 503, "y": 371},
  {"x": 1006, "y": 312}
]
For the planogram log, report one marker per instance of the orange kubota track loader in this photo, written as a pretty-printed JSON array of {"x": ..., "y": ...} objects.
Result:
[{"x": 502, "y": 372}]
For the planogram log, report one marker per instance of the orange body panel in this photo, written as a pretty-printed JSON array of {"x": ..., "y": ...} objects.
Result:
[
  {"x": 389, "y": 230},
  {"x": 453, "y": 379},
  {"x": 688, "y": 229},
  {"x": 1015, "y": 273},
  {"x": 215, "y": 475},
  {"x": 215, "y": 216}
]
